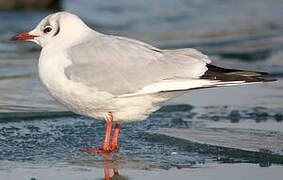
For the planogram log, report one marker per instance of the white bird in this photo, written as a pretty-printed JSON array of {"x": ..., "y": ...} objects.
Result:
[{"x": 104, "y": 76}]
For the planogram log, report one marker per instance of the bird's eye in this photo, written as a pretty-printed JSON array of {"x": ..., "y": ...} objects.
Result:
[{"x": 47, "y": 29}]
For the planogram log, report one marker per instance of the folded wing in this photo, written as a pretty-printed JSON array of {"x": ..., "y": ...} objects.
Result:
[{"x": 124, "y": 66}]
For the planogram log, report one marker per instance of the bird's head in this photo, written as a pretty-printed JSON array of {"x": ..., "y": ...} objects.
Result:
[{"x": 55, "y": 28}]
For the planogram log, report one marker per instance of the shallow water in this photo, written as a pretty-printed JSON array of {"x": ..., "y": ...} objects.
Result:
[{"x": 237, "y": 128}]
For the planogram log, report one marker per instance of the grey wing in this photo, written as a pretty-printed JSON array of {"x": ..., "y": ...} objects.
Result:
[{"x": 122, "y": 66}]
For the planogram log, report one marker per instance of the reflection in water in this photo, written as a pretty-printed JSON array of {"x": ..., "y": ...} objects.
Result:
[{"x": 108, "y": 163}]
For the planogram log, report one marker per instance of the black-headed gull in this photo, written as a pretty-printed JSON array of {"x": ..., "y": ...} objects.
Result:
[{"x": 117, "y": 78}]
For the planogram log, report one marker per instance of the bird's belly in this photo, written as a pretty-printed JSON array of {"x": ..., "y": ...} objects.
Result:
[
  {"x": 80, "y": 100},
  {"x": 97, "y": 104}
]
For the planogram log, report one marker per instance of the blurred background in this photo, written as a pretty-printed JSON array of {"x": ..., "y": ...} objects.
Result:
[{"x": 244, "y": 34}]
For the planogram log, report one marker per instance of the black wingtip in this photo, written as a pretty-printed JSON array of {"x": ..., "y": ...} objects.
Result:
[{"x": 223, "y": 74}]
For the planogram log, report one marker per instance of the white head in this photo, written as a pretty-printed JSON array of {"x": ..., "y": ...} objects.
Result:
[{"x": 56, "y": 28}]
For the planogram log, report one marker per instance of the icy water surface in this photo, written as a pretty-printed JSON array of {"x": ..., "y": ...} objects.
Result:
[
  {"x": 174, "y": 138},
  {"x": 41, "y": 139},
  {"x": 205, "y": 134}
]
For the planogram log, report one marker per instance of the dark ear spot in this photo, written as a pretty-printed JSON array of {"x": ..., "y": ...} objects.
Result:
[{"x": 57, "y": 29}]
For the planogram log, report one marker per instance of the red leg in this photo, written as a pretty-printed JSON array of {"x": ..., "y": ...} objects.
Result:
[
  {"x": 114, "y": 145},
  {"x": 106, "y": 147}
]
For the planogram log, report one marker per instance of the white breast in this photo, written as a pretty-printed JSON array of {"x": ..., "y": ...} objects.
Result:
[{"x": 75, "y": 96}]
